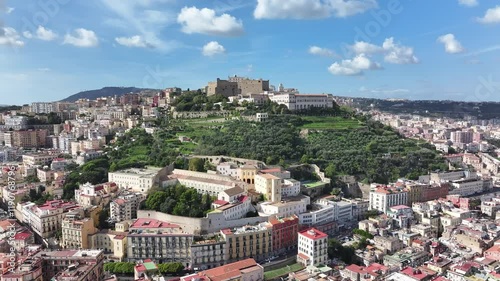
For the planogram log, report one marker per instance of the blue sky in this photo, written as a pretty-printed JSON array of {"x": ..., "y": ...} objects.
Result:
[{"x": 428, "y": 49}]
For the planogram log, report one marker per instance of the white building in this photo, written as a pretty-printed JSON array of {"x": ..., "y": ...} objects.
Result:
[
  {"x": 228, "y": 169},
  {"x": 46, "y": 219},
  {"x": 42, "y": 107},
  {"x": 202, "y": 182},
  {"x": 301, "y": 102},
  {"x": 37, "y": 159},
  {"x": 466, "y": 187},
  {"x": 139, "y": 180},
  {"x": 287, "y": 207},
  {"x": 15, "y": 122},
  {"x": 383, "y": 198},
  {"x": 88, "y": 195},
  {"x": 290, "y": 188},
  {"x": 125, "y": 206},
  {"x": 312, "y": 247}
]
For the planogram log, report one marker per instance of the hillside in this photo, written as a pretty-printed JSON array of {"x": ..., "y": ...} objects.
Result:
[
  {"x": 431, "y": 108},
  {"x": 104, "y": 92}
]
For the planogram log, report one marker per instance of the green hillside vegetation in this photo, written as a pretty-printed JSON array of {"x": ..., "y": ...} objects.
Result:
[
  {"x": 179, "y": 200},
  {"x": 340, "y": 143}
]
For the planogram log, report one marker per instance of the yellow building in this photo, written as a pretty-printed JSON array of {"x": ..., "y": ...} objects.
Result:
[
  {"x": 247, "y": 173},
  {"x": 112, "y": 242},
  {"x": 248, "y": 241},
  {"x": 75, "y": 231},
  {"x": 269, "y": 185}
]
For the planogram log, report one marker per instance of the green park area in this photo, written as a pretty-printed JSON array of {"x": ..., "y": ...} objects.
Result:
[
  {"x": 331, "y": 123},
  {"x": 273, "y": 274}
]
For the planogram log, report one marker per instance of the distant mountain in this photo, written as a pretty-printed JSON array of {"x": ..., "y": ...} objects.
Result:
[
  {"x": 104, "y": 92},
  {"x": 430, "y": 108}
]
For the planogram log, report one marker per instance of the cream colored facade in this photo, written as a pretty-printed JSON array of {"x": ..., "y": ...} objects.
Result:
[
  {"x": 269, "y": 185},
  {"x": 247, "y": 173},
  {"x": 75, "y": 231},
  {"x": 222, "y": 87},
  {"x": 139, "y": 180},
  {"x": 248, "y": 241},
  {"x": 111, "y": 242}
]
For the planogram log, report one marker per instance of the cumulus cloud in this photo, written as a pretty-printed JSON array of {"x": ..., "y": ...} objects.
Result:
[
  {"x": 324, "y": 52},
  {"x": 206, "y": 21},
  {"x": 27, "y": 34},
  {"x": 451, "y": 44},
  {"x": 134, "y": 42},
  {"x": 397, "y": 53},
  {"x": 468, "y": 3},
  {"x": 310, "y": 9},
  {"x": 393, "y": 52},
  {"x": 10, "y": 37},
  {"x": 491, "y": 16},
  {"x": 355, "y": 66},
  {"x": 212, "y": 49},
  {"x": 45, "y": 34},
  {"x": 361, "y": 47},
  {"x": 82, "y": 38}
]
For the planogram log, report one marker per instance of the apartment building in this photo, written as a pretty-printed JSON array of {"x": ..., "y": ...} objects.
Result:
[
  {"x": 76, "y": 230},
  {"x": 269, "y": 185},
  {"x": 382, "y": 198},
  {"x": 248, "y": 241},
  {"x": 46, "y": 219},
  {"x": 15, "y": 122},
  {"x": 160, "y": 241},
  {"x": 26, "y": 138},
  {"x": 312, "y": 247},
  {"x": 27, "y": 268},
  {"x": 137, "y": 179},
  {"x": 125, "y": 206},
  {"x": 466, "y": 187},
  {"x": 243, "y": 270},
  {"x": 84, "y": 265},
  {"x": 461, "y": 137},
  {"x": 42, "y": 107},
  {"x": 30, "y": 160},
  {"x": 284, "y": 233},
  {"x": 208, "y": 253},
  {"x": 111, "y": 242}
]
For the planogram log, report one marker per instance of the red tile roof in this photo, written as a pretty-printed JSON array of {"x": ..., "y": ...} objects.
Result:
[
  {"x": 152, "y": 223},
  {"x": 414, "y": 273},
  {"x": 313, "y": 234}
]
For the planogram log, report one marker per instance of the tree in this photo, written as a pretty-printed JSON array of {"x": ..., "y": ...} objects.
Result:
[
  {"x": 196, "y": 164},
  {"x": 155, "y": 199}
]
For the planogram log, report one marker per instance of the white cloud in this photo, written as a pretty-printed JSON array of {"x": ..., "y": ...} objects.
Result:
[
  {"x": 483, "y": 51},
  {"x": 492, "y": 16},
  {"x": 393, "y": 52},
  {"x": 451, "y": 44},
  {"x": 205, "y": 21},
  {"x": 310, "y": 9},
  {"x": 468, "y": 3},
  {"x": 9, "y": 10},
  {"x": 213, "y": 48},
  {"x": 397, "y": 53},
  {"x": 45, "y": 34},
  {"x": 146, "y": 18},
  {"x": 361, "y": 47},
  {"x": 318, "y": 51},
  {"x": 135, "y": 41},
  {"x": 354, "y": 66},
  {"x": 10, "y": 37},
  {"x": 44, "y": 69},
  {"x": 346, "y": 8},
  {"x": 82, "y": 38},
  {"x": 27, "y": 34}
]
